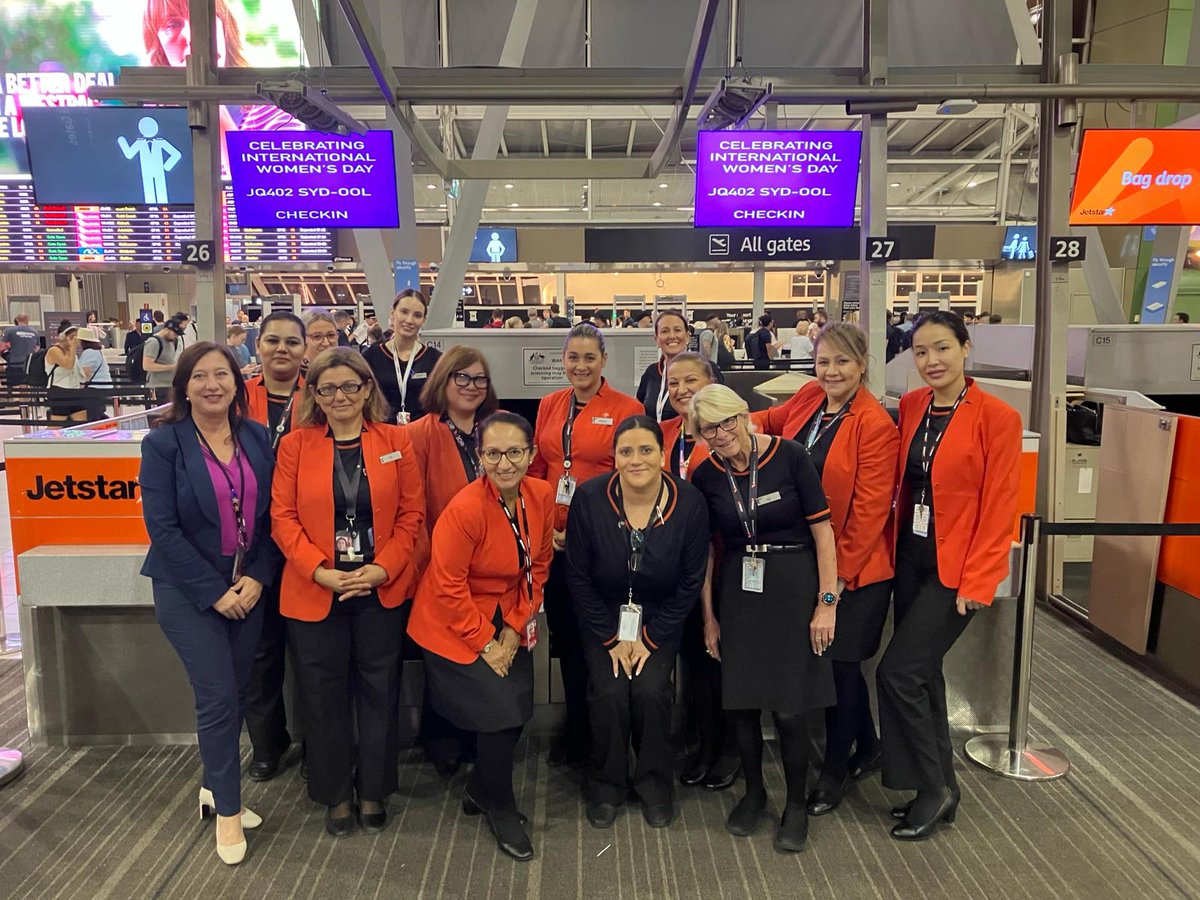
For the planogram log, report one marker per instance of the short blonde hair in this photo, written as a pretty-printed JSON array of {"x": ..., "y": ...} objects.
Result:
[
  {"x": 715, "y": 403},
  {"x": 374, "y": 410}
]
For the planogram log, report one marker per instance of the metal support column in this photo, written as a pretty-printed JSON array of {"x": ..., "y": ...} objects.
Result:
[
  {"x": 874, "y": 186},
  {"x": 758, "y": 302},
  {"x": 204, "y": 119},
  {"x": 1048, "y": 389},
  {"x": 474, "y": 193}
]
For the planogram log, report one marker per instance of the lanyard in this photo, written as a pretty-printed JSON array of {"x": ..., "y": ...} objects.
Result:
[
  {"x": 662, "y": 391},
  {"x": 235, "y": 493},
  {"x": 928, "y": 450},
  {"x": 638, "y": 536},
  {"x": 285, "y": 417},
  {"x": 568, "y": 430},
  {"x": 748, "y": 517},
  {"x": 349, "y": 485},
  {"x": 402, "y": 380},
  {"x": 469, "y": 454},
  {"x": 683, "y": 460},
  {"x": 816, "y": 432},
  {"x": 524, "y": 560}
]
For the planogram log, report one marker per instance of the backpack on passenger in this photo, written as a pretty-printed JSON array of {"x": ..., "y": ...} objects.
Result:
[
  {"x": 35, "y": 369},
  {"x": 135, "y": 355}
]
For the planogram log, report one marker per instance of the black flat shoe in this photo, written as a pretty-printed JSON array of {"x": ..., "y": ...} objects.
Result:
[
  {"x": 745, "y": 818},
  {"x": 901, "y": 812},
  {"x": 659, "y": 815},
  {"x": 263, "y": 769},
  {"x": 373, "y": 823},
  {"x": 722, "y": 776},
  {"x": 825, "y": 798},
  {"x": 472, "y": 808},
  {"x": 601, "y": 815},
  {"x": 339, "y": 827},
  {"x": 510, "y": 835},
  {"x": 862, "y": 765},
  {"x": 919, "y": 831},
  {"x": 695, "y": 772},
  {"x": 792, "y": 836}
]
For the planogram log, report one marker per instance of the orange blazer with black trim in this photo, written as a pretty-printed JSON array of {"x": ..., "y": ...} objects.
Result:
[
  {"x": 670, "y": 432},
  {"x": 256, "y": 394},
  {"x": 859, "y": 477},
  {"x": 591, "y": 437},
  {"x": 302, "y": 514},
  {"x": 474, "y": 568},
  {"x": 975, "y": 477},
  {"x": 441, "y": 467}
]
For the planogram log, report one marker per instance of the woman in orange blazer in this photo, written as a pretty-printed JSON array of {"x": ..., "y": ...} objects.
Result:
[
  {"x": 958, "y": 470},
  {"x": 274, "y": 398},
  {"x": 686, "y": 374},
  {"x": 574, "y": 440},
  {"x": 475, "y": 615},
  {"x": 853, "y": 443},
  {"x": 348, "y": 503},
  {"x": 457, "y": 396}
]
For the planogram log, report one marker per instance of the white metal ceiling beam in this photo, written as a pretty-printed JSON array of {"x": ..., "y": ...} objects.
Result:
[{"x": 933, "y": 135}]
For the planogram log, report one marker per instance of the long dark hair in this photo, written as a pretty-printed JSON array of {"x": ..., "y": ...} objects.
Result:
[{"x": 181, "y": 409}]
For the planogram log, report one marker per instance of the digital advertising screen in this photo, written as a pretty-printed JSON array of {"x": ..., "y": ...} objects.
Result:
[
  {"x": 1137, "y": 177},
  {"x": 1020, "y": 243},
  {"x": 52, "y": 51},
  {"x": 776, "y": 178},
  {"x": 494, "y": 245},
  {"x": 313, "y": 178},
  {"x": 119, "y": 155}
]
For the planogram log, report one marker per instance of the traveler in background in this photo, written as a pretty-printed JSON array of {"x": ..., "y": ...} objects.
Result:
[
  {"x": 715, "y": 764},
  {"x": 671, "y": 336},
  {"x": 475, "y": 616},
  {"x": 574, "y": 440},
  {"x": 497, "y": 320},
  {"x": 159, "y": 351},
  {"x": 636, "y": 537},
  {"x": 346, "y": 506},
  {"x": 706, "y": 341},
  {"x": 514, "y": 322},
  {"x": 402, "y": 365},
  {"x": 20, "y": 342},
  {"x": 537, "y": 319},
  {"x": 958, "y": 470},
  {"x": 770, "y": 604},
  {"x": 557, "y": 320},
  {"x": 1180, "y": 318},
  {"x": 235, "y": 339},
  {"x": 643, "y": 319},
  {"x": 65, "y": 399},
  {"x": 853, "y": 444},
  {"x": 321, "y": 334},
  {"x": 725, "y": 345},
  {"x": 801, "y": 345},
  {"x": 820, "y": 318},
  {"x": 761, "y": 344},
  {"x": 94, "y": 371},
  {"x": 205, "y": 482},
  {"x": 189, "y": 333},
  {"x": 274, "y": 401},
  {"x": 457, "y": 397},
  {"x": 345, "y": 326},
  {"x": 994, "y": 319}
]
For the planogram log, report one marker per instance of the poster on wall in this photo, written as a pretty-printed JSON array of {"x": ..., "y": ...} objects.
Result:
[
  {"x": 1137, "y": 177},
  {"x": 52, "y": 51}
]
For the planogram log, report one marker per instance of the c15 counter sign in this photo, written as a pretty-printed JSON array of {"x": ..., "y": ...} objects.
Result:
[{"x": 298, "y": 178}]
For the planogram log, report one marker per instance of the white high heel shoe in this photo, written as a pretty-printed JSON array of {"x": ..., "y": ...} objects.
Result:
[
  {"x": 231, "y": 854},
  {"x": 208, "y": 807}
]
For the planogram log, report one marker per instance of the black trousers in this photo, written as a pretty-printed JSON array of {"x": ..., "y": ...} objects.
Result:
[
  {"x": 566, "y": 645},
  {"x": 631, "y": 712},
  {"x": 348, "y": 668},
  {"x": 702, "y": 693},
  {"x": 914, "y": 728},
  {"x": 266, "y": 715}
]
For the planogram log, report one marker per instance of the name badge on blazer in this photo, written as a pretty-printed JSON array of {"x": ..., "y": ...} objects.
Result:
[
  {"x": 417, "y": 376},
  {"x": 769, "y": 498},
  {"x": 391, "y": 457},
  {"x": 602, "y": 420}
]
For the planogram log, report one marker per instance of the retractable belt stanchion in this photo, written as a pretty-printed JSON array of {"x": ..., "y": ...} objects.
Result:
[{"x": 1012, "y": 755}]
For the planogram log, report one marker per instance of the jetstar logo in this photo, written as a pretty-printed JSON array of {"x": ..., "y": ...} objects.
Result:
[{"x": 71, "y": 488}]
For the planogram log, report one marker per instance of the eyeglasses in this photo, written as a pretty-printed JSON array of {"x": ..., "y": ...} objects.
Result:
[
  {"x": 514, "y": 455},
  {"x": 710, "y": 431},
  {"x": 462, "y": 380},
  {"x": 637, "y": 540},
  {"x": 349, "y": 388}
]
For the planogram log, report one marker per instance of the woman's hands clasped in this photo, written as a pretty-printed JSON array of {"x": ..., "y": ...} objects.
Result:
[
  {"x": 345, "y": 585},
  {"x": 502, "y": 652},
  {"x": 630, "y": 656},
  {"x": 237, "y": 602}
]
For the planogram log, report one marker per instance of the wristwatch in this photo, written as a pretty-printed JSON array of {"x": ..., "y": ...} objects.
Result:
[
  {"x": 827, "y": 598},
  {"x": 486, "y": 647}
]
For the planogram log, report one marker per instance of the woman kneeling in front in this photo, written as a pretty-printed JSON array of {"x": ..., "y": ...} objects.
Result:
[
  {"x": 770, "y": 605},
  {"x": 475, "y": 615},
  {"x": 205, "y": 479},
  {"x": 347, "y": 505}
]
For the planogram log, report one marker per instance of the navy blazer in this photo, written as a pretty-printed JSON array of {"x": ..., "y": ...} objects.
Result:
[{"x": 180, "y": 509}]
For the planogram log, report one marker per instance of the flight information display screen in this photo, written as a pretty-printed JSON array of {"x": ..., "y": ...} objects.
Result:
[{"x": 35, "y": 234}]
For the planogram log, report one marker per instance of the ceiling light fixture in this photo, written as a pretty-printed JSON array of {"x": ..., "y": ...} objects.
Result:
[
  {"x": 509, "y": 186},
  {"x": 663, "y": 185}
]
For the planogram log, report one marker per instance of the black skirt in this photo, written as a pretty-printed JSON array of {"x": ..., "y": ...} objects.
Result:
[
  {"x": 860, "y": 618},
  {"x": 474, "y": 698},
  {"x": 767, "y": 660}
]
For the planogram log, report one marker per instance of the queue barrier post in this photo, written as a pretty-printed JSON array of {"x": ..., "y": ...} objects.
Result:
[{"x": 1011, "y": 755}]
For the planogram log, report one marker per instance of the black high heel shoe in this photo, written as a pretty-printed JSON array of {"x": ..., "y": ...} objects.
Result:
[
  {"x": 901, "y": 812},
  {"x": 510, "y": 835},
  {"x": 340, "y": 826},
  {"x": 826, "y": 797},
  {"x": 862, "y": 765},
  {"x": 472, "y": 808},
  {"x": 695, "y": 772},
  {"x": 919, "y": 831}
]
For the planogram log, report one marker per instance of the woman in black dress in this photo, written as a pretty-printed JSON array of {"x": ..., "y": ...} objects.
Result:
[
  {"x": 774, "y": 600},
  {"x": 637, "y": 543},
  {"x": 402, "y": 365}
]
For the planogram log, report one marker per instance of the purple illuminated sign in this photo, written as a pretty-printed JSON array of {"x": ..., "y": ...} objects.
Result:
[
  {"x": 776, "y": 178},
  {"x": 312, "y": 178}
]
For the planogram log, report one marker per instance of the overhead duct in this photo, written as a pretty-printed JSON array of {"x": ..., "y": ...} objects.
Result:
[
  {"x": 732, "y": 103},
  {"x": 310, "y": 106}
]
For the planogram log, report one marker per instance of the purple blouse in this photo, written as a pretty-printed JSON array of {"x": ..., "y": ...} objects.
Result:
[{"x": 248, "y": 495}]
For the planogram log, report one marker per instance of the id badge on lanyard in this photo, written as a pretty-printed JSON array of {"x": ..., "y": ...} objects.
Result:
[
  {"x": 403, "y": 417},
  {"x": 920, "y": 520},
  {"x": 630, "y": 623},
  {"x": 566, "y": 485},
  {"x": 754, "y": 567},
  {"x": 530, "y": 638},
  {"x": 754, "y": 574}
]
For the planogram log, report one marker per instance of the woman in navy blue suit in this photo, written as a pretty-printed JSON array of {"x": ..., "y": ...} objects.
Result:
[{"x": 206, "y": 490}]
